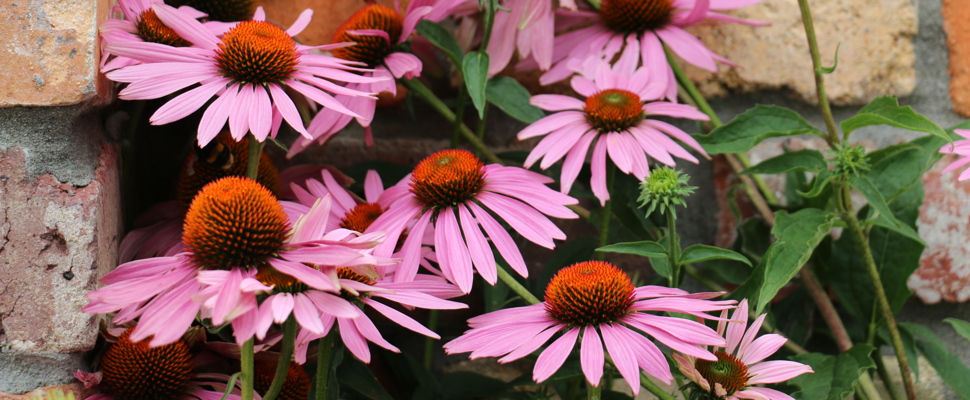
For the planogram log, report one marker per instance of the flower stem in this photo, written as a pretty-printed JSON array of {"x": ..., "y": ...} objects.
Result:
[
  {"x": 593, "y": 392},
  {"x": 255, "y": 153},
  {"x": 673, "y": 252},
  {"x": 246, "y": 375},
  {"x": 418, "y": 88},
  {"x": 459, "y": 115},
  {"x": 862, "y": 245},
  {"x": 516, "y": 287},
  {"x": 823, "y": 100},
  {"x": 646, "y": 383},
  {"x": 286, "y": 353},
  {"x": 324, "y": 357},
  {"x": 429, "y": 343},
  {"x": 607, "y": 212}
]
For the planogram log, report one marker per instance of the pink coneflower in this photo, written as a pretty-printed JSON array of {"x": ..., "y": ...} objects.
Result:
[
  {"x": 234, "y": 228},
  {"x": 960, "y": 148},
  {"x": 424, "y": 291},
  {"x": 248, "y": 68},
  {"x": 523, "y": 25},
  {"x": 740, "y": 363},
  {"x": 140, "y": 24},
  {"x": 643, "y": 27},
  {"x": 453, "y": 192},
  {"x": 615, "y": 120},
  {"x": 134, "y": 370},
  {"x": 595, "y": 303},
  {"x": 378, "y": 33}
]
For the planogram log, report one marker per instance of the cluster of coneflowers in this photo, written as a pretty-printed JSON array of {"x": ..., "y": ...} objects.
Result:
[{"x": 290, "y": 262}]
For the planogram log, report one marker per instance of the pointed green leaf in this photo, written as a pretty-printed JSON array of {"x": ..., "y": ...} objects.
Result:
[
  {"x": 962, "y": 327},
  {"x": 878, "y": 204},
  {"x": 829, "y": 70},
  {"x": 507, "y": 94},
  {"x": 474, "y": 69},
  {"x": 753, "y": 126},
  {"x": 441, "y": 38},
  {"x": 886, "y": 111},
  {"x": 797, "y": 236},
  {"x": 953, "y": 371},
  {"x": 896, "y": 169},
  {"x": 802, "y": 160},
  {"x": 700, "y": 253},
  {"x": 834, "y": 375},
  {"x": 819, "y": 184}
]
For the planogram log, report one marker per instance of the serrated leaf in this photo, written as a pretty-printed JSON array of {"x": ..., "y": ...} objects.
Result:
[
  {"x": 797, "y": 236},
  {"x": 896, "y": 169},
  {"x": 834, "y": 375},
  {"x": 510, "y": 96},
  {"x": 962, "y": 327},
  {"x": 442, "y": 39},
  {"x": 802, "y": 160},
  {"x": 886, "y": 218},
  {"x": 948, "y": 365},
  {"x": 886, "y": 111},
  {"x": 753, "y": 126},
  {"x": 474, "y": 68},
  {"x": 700, "y": 253}
]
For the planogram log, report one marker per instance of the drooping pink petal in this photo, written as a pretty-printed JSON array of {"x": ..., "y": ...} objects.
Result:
[
  {"x": 591, "y": 356},
  {"x": 776, "y": 371},
  {"x": 554, "y": 356}
]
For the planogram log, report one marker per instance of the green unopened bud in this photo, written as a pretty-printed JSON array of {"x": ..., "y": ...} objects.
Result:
[
  {"x": 850, "y": 160},
  {"x": 664, "y": 189}
]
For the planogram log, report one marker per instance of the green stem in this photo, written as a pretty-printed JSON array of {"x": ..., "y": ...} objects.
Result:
[
  {"x": 324, "y": 356},
  {"x": 823, "y": 100},
  {"x": 607, "y": 212},
  {"x": 418, "y": 88},
  {"x": 862, "y": 245},
  {"x": 593, "y": 392},
  {"x": 516, "y": 287},
  {"x": 887, "y": 379},
  {"x": 429, "y": 343},
  {"x": 480, "y": 128},
  {"x": 673, "y": 252},
  {"x": 646, "y": 383},
  {"x": 459, "y": 115},
  {"x": 246, "y": 359},
  {"x": 286, "y": 353},
  {"x": 255, "y": 153},
  {"x": 488, "y": 20}
]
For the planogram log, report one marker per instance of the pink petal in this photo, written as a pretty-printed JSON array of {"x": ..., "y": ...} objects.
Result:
[
  {"x": 450, "y": 247},
  {"x": 591, "y": 356},
  {"x": 551, "y": 123},
  {"x": 478, "y": 248},
  {"x": 287, "y": 109},
  {"x": 400, "y": 318},
  {"x": 776, "y": 371},
  {"x": 553, "y": 356},
  {"x": 301, "y": 23},
  {"x": 501, "y": 239},
  {"x": 556, "y": 102},
  {"x": 688, "y": 47},
  {"x": 597, "y": 165}
]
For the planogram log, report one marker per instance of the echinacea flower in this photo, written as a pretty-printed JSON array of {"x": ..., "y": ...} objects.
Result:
[
  {"x": 140, "y": 24},
  {"x": 347, "y": 211},
  {"x": 615, "y": 119},
  {"x": 426, "y": 292},
  {"x": 135, "y": 370},
  {"x": 962, "y": 149},
  {"x": 378, "y": 33},
  {"x": 643, "y": 27},
  {"x": 248, "y": 69},
  {"x": 455, "y": 194},
  {"x": 595, "y": 304},
  {"x": 159, "y": 229},
  {"x": 233, "y": 227},
  {"x": 740, "y": 362}
]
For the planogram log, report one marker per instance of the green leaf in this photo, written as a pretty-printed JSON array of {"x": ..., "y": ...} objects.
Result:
[
  {"x": 802, "y": 160},
  {"x": 797, "y": 236},
  {"x": 829, "y": 70},
  {"x": 896, "y": 169},
  {"x": 700, "y": 253},
  {"x": 886, "y": 218},
  {"x": 948, "y": 365},
  {"x": 357, "y": 376},
  {"x": 474, "y": 69},
  {"x": 753, "y": 126},
  {"x": 646, "y": 248},
  {"x": 834, "y": 375},
  {"x": 886, "y": 111},
  {"x": 819, "y": 184},
  {"x": 465, "y": 384},
  {"x": 962, "y": 327},
  {"x": 441, "y": 38},
  {"x": 507, "y": 94}
]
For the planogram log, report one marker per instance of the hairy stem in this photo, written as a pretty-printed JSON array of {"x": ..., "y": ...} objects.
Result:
[
  {"x": 246, "y": 358},
  {"x": 673, "y": 253},
  {"x": 516, "y": 287},
  {"x": 324, "y": 357},
  {"x": 255, "y": 153},
  {"x": 429, "y": 343},
  {"x": 286, "y": 353},
  {"x": 607, "y": 212},
  {"x": 823, "y": 100}
]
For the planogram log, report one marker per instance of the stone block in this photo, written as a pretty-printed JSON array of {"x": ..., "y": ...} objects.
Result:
[
  {"x": 955, "y": 14},
  {"x": 51, "y": 52},
  {"x": 876, "y": 53},
  {"x": 56, "y": 240}
]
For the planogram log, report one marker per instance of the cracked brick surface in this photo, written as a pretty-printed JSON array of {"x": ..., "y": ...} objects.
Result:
[{"x": 56, "y": 239}]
